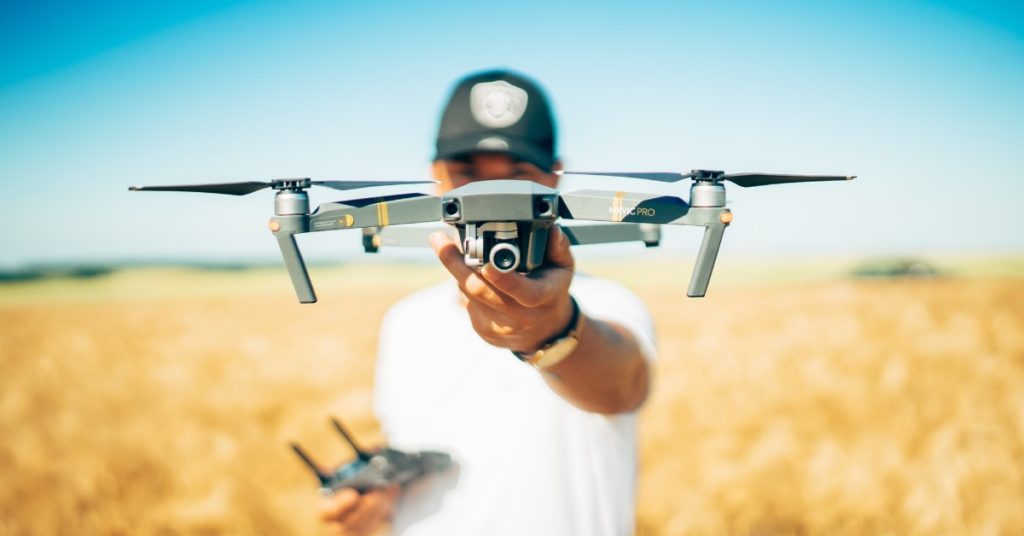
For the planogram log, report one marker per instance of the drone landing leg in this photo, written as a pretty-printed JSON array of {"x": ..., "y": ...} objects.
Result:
[
  {"x": 296, "y": 267},
  {"x": 705, "y": 260}
]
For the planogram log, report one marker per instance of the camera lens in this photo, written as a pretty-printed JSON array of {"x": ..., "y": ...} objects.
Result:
[
  {"x": 505, "y": 257},
  {"x": 543, "y": 207},
  {"x": 451, "y": 209}
]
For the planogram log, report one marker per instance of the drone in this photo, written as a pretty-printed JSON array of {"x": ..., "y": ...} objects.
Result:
[
  {"x": 505, "y": 223},
  {"x": 374, "y": 469}
]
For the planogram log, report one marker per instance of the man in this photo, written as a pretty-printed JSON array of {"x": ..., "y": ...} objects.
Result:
[{"x": 541, "y": 449}]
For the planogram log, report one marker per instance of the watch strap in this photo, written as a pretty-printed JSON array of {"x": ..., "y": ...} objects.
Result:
[{"x": 533, "y": 358}]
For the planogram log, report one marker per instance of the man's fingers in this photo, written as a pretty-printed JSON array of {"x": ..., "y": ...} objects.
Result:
[
  {"x": 543, "y": 286},
  {"x": 473, "y": 285},
  {"x": 488, "y": 321},
  {"x": 478, "y": 288},
  {"x": 530, "y": 291},
  {"x": 379, "y": 505},
  {"x": 450, "y": 256},
  {"x": 333, "y": 508},
  {"x": 493, "y": 288},
  {"x": 559, "y": 250},
  {"x": 367, "y": 512},
  {"x": 382, "y": 514},
  {"x": 357, "y": 520}
]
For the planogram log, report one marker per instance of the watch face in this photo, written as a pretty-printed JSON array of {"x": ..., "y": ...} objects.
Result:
[
  {"x": 556, "y": 352},
  {"x": 561, "y": 347}
]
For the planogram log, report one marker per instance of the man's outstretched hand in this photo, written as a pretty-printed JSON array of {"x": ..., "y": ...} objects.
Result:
[
  {"x": 607, "y": 373},
  {"x": 509, "y": 309},
  {"x": 350, "y": 513}
]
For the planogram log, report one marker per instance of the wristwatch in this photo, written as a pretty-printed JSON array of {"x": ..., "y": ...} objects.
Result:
[{"x": 558, "y": 347}]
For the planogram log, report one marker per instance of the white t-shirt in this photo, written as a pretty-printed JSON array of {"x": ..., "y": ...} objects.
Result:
[{"x": 528, "y": 462}]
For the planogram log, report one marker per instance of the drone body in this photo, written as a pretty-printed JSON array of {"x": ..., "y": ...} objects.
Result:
[
  {"x": 506, "y": 222},
  {"x": 503, "y": 222}
]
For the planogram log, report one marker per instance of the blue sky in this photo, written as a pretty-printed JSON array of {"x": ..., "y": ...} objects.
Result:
[{"x": 922, "y": 100}]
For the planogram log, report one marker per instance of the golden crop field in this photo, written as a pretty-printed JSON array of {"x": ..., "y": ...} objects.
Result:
[{"x": 162, "y": 401}]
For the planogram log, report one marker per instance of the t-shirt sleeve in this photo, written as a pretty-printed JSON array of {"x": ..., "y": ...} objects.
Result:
[{"x": 612, "y": 302}]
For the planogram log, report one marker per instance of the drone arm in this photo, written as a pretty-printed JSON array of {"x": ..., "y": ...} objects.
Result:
[
  {"x": 578, "y": 235},
  {"x": 285, "y": 228},
  {"x": 705, "y": 260},
  {"x": 714, "y": 220},
  {"x": 296, "y": 268},
  {"x": 376, "y": 212},
  {"x": 405, "y": 236},
  {"x": 650, "y": 208},
  {"x": 379, "y": 211},
  {"x": 649, "y": 234},
  {"x": 600, "y": 205}
]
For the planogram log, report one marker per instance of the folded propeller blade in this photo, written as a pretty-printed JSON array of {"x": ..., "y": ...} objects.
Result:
[
  {"x": 354, "y": 185},
  {"x": 749, "y": 180},
  {"x": 228, "y": 188},
  {"x": 746, "y": 180},
  {"x": 661, "y": 176},
  {"x": 244, "y": 188}
]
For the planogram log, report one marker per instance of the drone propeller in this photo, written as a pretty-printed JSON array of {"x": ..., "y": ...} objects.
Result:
[
  {"x": 229, "y": 188},
  {"x": 245, "y": 188},
  {"x": 745, "y": 180},
  {"x": 665, "y": 176},
  {"x": 355, "y": 185},
  {"x": 749, "y": 180}
]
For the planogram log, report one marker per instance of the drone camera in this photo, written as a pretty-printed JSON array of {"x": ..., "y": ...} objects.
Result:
[{"x": 505, "y": 257}]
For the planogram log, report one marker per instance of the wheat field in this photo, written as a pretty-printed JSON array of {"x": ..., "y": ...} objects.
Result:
[{"x": 162, "y": 402}]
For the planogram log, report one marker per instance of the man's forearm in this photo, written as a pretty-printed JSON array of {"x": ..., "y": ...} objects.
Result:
[{"x": 607, "y": 373}]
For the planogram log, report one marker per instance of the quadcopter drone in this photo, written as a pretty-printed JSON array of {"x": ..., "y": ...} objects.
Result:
[
  {"x": 374, "y": 469},
  {"x": 505, "y": 222}
]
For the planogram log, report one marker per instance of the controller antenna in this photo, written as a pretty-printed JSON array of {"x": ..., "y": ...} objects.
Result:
[
  {"x": 324, "y": 478},
  {"x": 362, "y": 454}
]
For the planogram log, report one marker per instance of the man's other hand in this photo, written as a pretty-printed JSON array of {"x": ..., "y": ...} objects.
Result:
[
  {"x": 349, "y": 513},
  {"x": 509, "y": 309}
]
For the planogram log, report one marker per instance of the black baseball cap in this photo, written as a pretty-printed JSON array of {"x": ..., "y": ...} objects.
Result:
[{"x": 498, "y": 111}]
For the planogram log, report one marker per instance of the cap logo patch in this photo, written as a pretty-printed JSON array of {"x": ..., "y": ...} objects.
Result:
[{"x": 497, "y": 104}]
